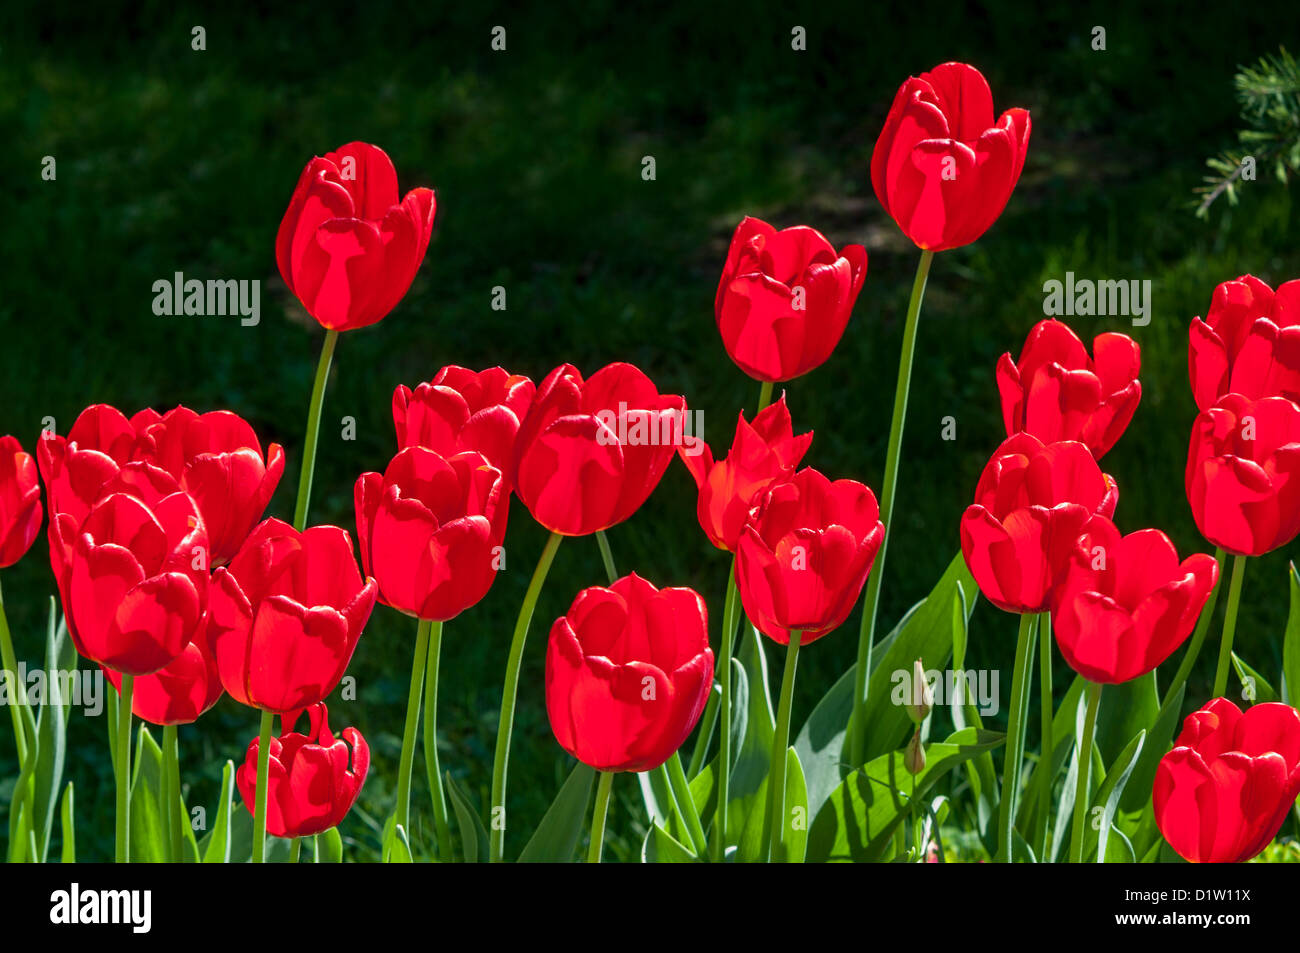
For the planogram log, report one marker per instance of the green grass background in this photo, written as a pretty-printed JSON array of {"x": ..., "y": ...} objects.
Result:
[{"x": 175, "y": 160}]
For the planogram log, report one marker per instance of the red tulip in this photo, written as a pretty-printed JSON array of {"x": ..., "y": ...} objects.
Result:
[
  {"x": 628, "y": 671},
  {"x": 805, "y": 555},
  {"x": 1243, "y": 474},
  {"x": 348, "y": 246},
  {"x": 1249, "y": 343},
  {"x": 785, "y": 298},
  {"x": 1125, "y": 603},
  {"x": 763, "y": 453},
  {"x": 286, "y": 614},
  {"x": 1057, "y": 392},
  {"x": 20, "y": 502},
  {"x": 314, "y": 779},
  {"x": 943, "y": 168},
  {"x": 430, "y": 531},
  {"x": 181, "y": 692},
  {"x": 215, "y": 457},
  {"x": 460, "y": 410},
  {"x": 1224, "y": 790},
  {"x": 1031, "y": 503},
  {"x": 590, "y": 453},
  {"x": 133, "y": 575}
]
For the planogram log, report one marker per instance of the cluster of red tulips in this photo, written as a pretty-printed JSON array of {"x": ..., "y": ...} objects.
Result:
[{"x": 173, "y": 583}]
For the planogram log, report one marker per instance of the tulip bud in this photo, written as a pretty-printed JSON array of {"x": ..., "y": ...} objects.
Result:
[
  {"x": 922, "y": 696},
  {"x": 914, "y": 756}
]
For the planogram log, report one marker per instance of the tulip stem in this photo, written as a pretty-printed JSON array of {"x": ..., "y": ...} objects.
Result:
[
  {"x": 724, "y": 736},
  {"x": 764, "y": 396},
  {"x": 607, "y": 556},
  {"x": 443, "y": 831},
  {"x": 1017, "y": 721},
  {"x": 1084, "y": 773},
  {"x": 867, "y": 632},
  {"x": 313, "y": 429},
  {"x": 16, "y": 692},
  {"x": 295, "y": 850},
  {"x": 1047, "y": 745},
  {"x": 1198, "y": 638},
  {"x": 703, "y": 741},
  {"x": 263, "y": 781},
  {"x": 505, "y": 725},
  {"x": 775, "y": 841},
  {"x": 402, "y": 812},
  {"x": 171, "y": 785},
  {"x": 123, "y": 852},
  {"x": 686, "y": 804},
  {"x": 1229, "y": 626},
  {"x": 598, "y": 817}
]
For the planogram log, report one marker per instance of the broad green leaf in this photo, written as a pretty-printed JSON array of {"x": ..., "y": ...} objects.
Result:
[
  {"x": 68, "y": 827},
  {"x": 1125, "y": 710},
  {"x": 797, "y": 817},
  {"x": 1291, "y": 644},
  {"x": 1108, "y": 798},
  {"x": 747, "y": 791},
  {"x": 820, "y": 742},
  {"x": 329, "y": 847},
  {"x": 241, "y": 840},
  {"x": 859, "y": 819},
  {"x": 1255, "y": 688},
  {"x": 656, "y": 794},
  {"x": 216, "y": 845},
  {"x": 1119, "y": 850},
  {"x": 1062, "y": 750},
  {"x": 19, "y": 830},
  {"x": 398, "y": 850},
  {"x": 473, "y": 836},
  {"x": 51, "y": 730},
  {"x": 556, "y": 838},
  {"x": 660, "y": 847},
  {"x": 1137, "y": 793},
  {"x": 149, "y": 839}
]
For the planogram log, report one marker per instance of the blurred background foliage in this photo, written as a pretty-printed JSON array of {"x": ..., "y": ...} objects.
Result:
[{"x": 174, "y": 160}]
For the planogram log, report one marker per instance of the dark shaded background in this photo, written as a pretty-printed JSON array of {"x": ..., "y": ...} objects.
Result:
[{"x": 175, "y": 160}]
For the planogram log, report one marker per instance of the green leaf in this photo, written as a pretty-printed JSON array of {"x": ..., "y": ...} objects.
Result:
[
  {"x": 51, "y": 731},
  {"x": 473, "y": 836},
  {"x": 747, "y": 791},
  {"x": 557, "y": 836},
  {"x": 215, "y": 848},
  {"x": 329, "y": 847},
  {"x": 68, "y": 827},
  {"x": 1255, "y": 688},
  {"x": 1108, "y": 797},
  {"x": 820, "y": 742},
  {"x": 398, "y": 848},
  {"x": 1125, "y": 710},
  {"x": 1062, "y": 747},
  {"x": 796, "y": 810},
  {"x": 1137, "y": 793},
  {"x": 1291, "y": 644},
  {"x": 241, "y": 841},
  {"x": 858, "y": 821},
  {"x": 149, "y": 840},
  {"x": 660, "y": 847}
]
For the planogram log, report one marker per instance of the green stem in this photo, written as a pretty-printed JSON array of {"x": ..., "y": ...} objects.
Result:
[
  {"x": 1048, "y": 743},
  {"x": 686, "y": 804},
  {"x": 1198, "y": 638},
  {"x": 263, "y": 780},
  {"x": 867, "y": 632},
  {"x": 172, "y": 792},
  {"x": 607, "y": 556},
  {"x": 16, "y": 692},
  {"x": 729, "y": 621},
  {"x": 1016, "y": 724},
  {"x": 598, "y": 816},
  {"x": 402, "y": 813},
  {"x": 441, "y": 827},
  {"x": 123, "y": 851},
  {"x": 295, "y": 850},
  {"x": 1229, "y": 626},
  {"x": 505, "y": 725},
  {"x": 764, "y": 396},
  {"x": 313, "y": 429},
  {"x": 1081, "y": 804},
  {"x": 775, "y": 843},
  {"x": 703, "y": 741}
]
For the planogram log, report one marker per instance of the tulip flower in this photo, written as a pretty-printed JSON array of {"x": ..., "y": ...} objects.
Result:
[
  {"x": 314, "y": 778},
  {"x": 286, "y": 614},
  {"x": 805, "y": 555},
  {"x": 20, "y": 502},
  {"x": 1031, "y": 503},
  {"x": 74, "y": 467},
  {"x": 348, "y": 245},
  {"x": 590, "y": 452},
  {"x": 1249, "y": 343},
  {"x": 785, "y": 298},
  {"x": 179, "y": 693},
  {"x": 1125, "y": 602},
  {"x": 460, "y": 410},
  {"x": 1057, "y": 392},
  {"x": 133, "y": 575},
  {"x": 1228, "y": 784},
  {"x": 943, "y": 168},
  {"x": 763, "y": 453},
  {"x": 1243, "y": 473},
  {"x": 430, "y": 530},
  {"x": 628, "y": 671}
]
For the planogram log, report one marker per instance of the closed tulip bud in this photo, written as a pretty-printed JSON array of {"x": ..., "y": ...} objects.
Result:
[
  {"x": 349, "y": 246},
  {"x": 1248, "y": 344},
  {"x": 914, "y": 754},
  {"x": 20, "y": 502},
  {"x": 313, "y": 779},
  {"x": 922, "y": 695}
]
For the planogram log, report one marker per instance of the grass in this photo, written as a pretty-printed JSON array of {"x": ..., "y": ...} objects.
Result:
[{"x": 171, "y": 159}]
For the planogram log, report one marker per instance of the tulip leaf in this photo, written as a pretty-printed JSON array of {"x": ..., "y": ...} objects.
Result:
[
  {"x": 18, "y": 831},
  {"x": 1255, "y": 688},
  {"x": 858, "y": 821},
  {"x": 329, "y": 847},
  {"x": 241, "y": 840},
  {"x": 68, "y": 826},
  {"x": 557, "y": 836},
  {"x": 820, "y": 742},
  {"x": 1137, "y": 793},
  {"x": 796, "y": 811},
  {"x": 660, "y": 847},
  {"x": 1125, "y": 710},
  {"x": 1062, "y": 747},
  {"x": 1107, "y": 800},
  {"x": 149, "y": 838},
  {"x": 656, "y": 794},
  {"x": 215, "y": 847},
  {"x": 1291, "y": 645},
  {"x": 51, "y": 730},
  {"x": 398, "y": 848},
  {"x": 746, "y": 793},
  {"x": 473, "y": 836}
]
